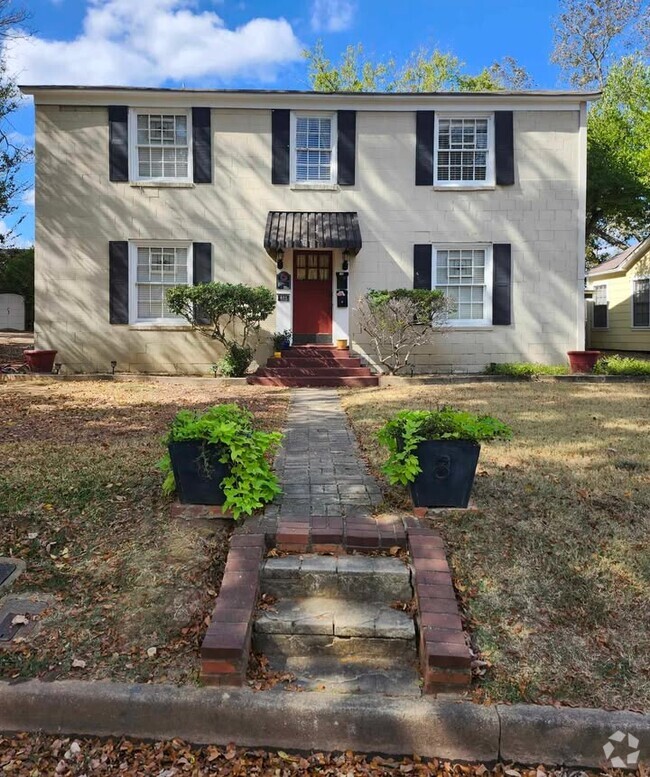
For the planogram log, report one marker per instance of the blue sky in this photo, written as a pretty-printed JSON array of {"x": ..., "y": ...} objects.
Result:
[{"x": 258, "y": 43}]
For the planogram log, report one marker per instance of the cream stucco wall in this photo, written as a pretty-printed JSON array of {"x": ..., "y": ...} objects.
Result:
[{"x": 78, "y": 211}]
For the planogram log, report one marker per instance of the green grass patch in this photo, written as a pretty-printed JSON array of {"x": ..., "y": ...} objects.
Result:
[
  {"x": 622, "y": 365},
  {"x": 525, "y": 369}
]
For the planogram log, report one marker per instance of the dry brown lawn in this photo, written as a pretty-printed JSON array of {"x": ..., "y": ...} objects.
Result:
[
  {"x": 554, "y": 569},
  {"x": 80, "y": 503}
]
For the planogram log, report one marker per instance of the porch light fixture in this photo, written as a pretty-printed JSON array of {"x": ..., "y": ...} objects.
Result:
[
  {"x": 346, "y": 259},
  {"x": 279, "y": 256}
]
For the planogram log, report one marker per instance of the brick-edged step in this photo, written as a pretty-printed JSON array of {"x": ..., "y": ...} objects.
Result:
[
  {"x": 445, "y": 660},
  {"x": 254, "y": 380},
  {"x": 335, "y": 628},
  {"x": 379, "y": 578},
  {"x": 316, "y": 351}
]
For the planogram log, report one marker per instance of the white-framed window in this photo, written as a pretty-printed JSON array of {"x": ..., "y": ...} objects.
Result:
[
  {"x": 313, "y": 148},
  {"x": 464, "y": 274},
  {"x": 601, "y": 307},
  {"x": 160, "y": 145},
  {"x": 154, "y": 267},
  {"x": 464, "y": 150},
  {"x": 641, "y": 302}
]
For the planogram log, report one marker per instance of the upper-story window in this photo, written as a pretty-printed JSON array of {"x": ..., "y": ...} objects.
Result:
[
  {"x": 160, "y": 146},
  {"x": 641, "y": 302},
  {"x": 154, "y": 268},
  {"x": 600, "y": 306},
  {"x": 464, "y": 274},
  {"x": 464, "y": 151},
  {"x": 313, "y": 148}
]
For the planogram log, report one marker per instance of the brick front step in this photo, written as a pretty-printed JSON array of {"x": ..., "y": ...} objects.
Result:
[
  {"x": 345, "y": 363},
  {"x": 312, "y": 372},
  {"x": 331, "y": 382},
  {"x": 316, "y": 352}
]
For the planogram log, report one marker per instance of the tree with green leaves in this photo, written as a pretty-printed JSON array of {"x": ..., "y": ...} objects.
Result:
[
  {"x": 618, "y": 160},
  {"x": 230, "y": 313},
  {"x": 422, "y": 71},
  {"x": 17, "y": 277},
  {"x": 12, "y": 154}
]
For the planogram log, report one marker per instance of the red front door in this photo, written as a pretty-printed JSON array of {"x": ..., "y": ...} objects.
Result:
[{"x": 312, "y": 297}]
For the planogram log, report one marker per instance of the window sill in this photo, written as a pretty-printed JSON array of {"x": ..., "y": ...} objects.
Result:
[
  {"x": 643, "y": 328},
  {"x": 171, "y": 327},
  {"x": 461, "y": 188},
  {"x": 470, "y": 327},
  {"x": 327, "y": 187},
  {"x": 163, "y": 184}
]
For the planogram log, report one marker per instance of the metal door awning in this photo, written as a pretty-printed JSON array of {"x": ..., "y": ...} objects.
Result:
[{"x": 311, "y": 230}]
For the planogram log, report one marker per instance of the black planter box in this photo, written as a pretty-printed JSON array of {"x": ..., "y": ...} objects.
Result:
[
  {"x": 198, "y": 472},
  {"x": 448, "y": 470}
]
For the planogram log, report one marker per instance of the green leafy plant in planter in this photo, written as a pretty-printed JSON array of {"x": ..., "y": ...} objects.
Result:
[
  {"x": 281, "y": 340},
  {"x": 227, "y": 432},
  {"x": 448, "y": 468}
]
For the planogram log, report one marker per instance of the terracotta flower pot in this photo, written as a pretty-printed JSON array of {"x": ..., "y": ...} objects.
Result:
[
  {"x": 583, "y": 361},
  {"x": 341, "y": 345},
  {"x": 39, "y": 360}
]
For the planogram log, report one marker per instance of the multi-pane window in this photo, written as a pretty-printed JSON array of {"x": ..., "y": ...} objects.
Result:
[
  {"x": 157, "y": 269},
  {"x": 312, "y": 267},
  {"x": 462, "y": 275},
  {"x": 641, "y": 302},
  {"x": 162, "y": 146},
  {"x": 313, "y": 149},
  {"x": 463, "y": 151},
  {"x": 600, "y": 306}
]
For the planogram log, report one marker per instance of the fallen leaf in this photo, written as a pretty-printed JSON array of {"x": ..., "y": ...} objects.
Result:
[
  {"x": 19, "y": 620},
  {"x": 78, "y": 663}
]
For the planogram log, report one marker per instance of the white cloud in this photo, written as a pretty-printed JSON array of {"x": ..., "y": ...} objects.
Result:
[
  {"x": 150, "y": 42},
  {"x": 29, "y": 198},
  {"x": 332, "y": 15}
]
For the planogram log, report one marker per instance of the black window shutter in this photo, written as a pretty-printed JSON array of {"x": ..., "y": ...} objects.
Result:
[
  {"x": 118, "y": 143},
  {"x": 501, "y": 284},
  {"x": 280, "y": 122},
  {"x": 346, "y": 127},
  {"x": 118, "y": 281},
  {"x": 422, "y": 266},
  {"x": 202, "y": 271},
  {"x": 424, "y": 140},
  {"x": 504, "y": 152},
  {"x": 202, "y": 145}
]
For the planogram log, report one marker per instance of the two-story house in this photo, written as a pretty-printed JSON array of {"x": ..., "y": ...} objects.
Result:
[{"x": 318, "y": 196}]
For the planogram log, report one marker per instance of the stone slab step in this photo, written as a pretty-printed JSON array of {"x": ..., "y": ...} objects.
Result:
[
  {"x": 311, "y": 382},
  {"x": 369, "y": 648},
  {"x": 335, "y": 618},
  {"x": 284, "y": 371},
  {"x": 350, "y": 676},
  {"x": 360, "y": 578}
]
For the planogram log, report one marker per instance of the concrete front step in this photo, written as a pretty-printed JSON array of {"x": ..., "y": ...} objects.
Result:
[
  {"x": 316, "y": 673},
  {"x": 318, "y": 615},
  {"x": 284, "y": 371},
  {"x": 352, "y": 578},
  {"x": 311, "y": 382}
]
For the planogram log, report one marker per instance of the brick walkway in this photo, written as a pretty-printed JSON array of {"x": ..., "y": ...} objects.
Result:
[{"x": 319, "y": 466}]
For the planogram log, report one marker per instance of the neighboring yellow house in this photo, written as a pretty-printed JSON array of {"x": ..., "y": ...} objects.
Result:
[{"x": 619, "y": 315}]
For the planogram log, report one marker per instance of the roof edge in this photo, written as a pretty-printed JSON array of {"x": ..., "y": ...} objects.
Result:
[{"x": 637, "y": 253}]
